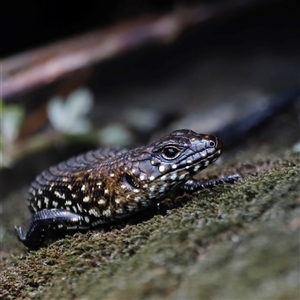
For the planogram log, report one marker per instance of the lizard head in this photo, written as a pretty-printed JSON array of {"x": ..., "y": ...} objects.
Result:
[{"x": 152, "y": 171}]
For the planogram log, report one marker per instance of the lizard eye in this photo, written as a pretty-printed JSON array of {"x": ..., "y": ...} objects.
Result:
[{"x": 170, "y": 152}]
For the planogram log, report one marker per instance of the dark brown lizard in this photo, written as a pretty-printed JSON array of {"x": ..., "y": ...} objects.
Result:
[{"x": 105, "y": 185}]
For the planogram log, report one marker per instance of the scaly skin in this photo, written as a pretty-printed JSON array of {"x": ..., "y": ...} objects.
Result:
[{"x": 105, "y": 185}]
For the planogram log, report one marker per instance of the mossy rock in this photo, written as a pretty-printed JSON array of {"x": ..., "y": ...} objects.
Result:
[{"x": 236, "y": 241}]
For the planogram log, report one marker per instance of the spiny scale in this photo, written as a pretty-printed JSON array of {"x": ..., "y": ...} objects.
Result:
[{"x": 104, "y": 185}]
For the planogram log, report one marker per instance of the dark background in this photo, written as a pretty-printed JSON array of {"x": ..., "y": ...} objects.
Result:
[{"x": 28, "y": 24}]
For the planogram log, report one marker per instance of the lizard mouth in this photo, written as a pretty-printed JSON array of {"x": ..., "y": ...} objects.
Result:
[
  {"x": 201, "y": 158},
  {"x": 202, "y": 163},
  {"x": 198, "y": 164}
]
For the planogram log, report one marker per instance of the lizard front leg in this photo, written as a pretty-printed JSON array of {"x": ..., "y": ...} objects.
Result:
[{"x": 197, "y": 185}]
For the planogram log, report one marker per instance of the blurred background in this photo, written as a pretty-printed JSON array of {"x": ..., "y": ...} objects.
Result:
[
  {"x": 76, "y": 76},
  {"x": 80, "y": 75}
]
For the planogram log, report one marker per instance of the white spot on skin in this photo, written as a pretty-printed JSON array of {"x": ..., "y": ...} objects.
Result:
[
  {"x": 74, "y": 209},
  {"x": 70, "y": 187},
  {"x": 101, "y": 202},
  {"x": 72, "y": 227},
  {"x": 136, "y": 190},
  {"x": 189, "y": 161},
  {"x": 51, "y": 186},
  {"x": 92, "y": 211},
  {"x": 99, "y": 183},
  {"x": 196, "y": 168},
  {"x": 162, "y": 189},
  {"x": 130, "y": 208},
  {"x": 87, "y": 220},
  {"x": 133, "y": 170},
  {"x": 117, "y": 201},
  {"x": 164, "y": 177},
  {"x": 119, "y": 211},
  {"x": 206, "y": 163},
  {"x": 123, "y": 186},
  {"x": 174, "y": 166},
  {"x": 46, "y": 201},
  {"x": 152, "y": 162},
  {"x": 145, "y": 185},
  {"x": 151, "y": 178},
  {"x": 204, "y": 154},
  {"x": 83, "y": 188},
  {"x": 86, "y": 199},
  {"x": 137, "y": 199},
  {"x": 74, "y": 196},
  {"x": 173, "y": 176},
  {"x": 142, "y": 177},
  {"x": 95, "y": 223},
  {"x": 79, "y": 207},
  {"x": 211, "y": 151},
  {"x": 60, "y": 226},
  {"x": 105, "y": 191},
  {"x": 182, "y": 176},
  {"x": 162, "y": 168},
  {"x": 40, "y": 192},
  {"x": 152, "y": 188},
  {"x": 54, "y": 203},
  {"x": 60, "y": 195},
  {"x": 106, "y": 213},
  {"x": 39, "y": 204},
  {"x": 68, "y": 202},
  {"x": 111, "y": 174}
]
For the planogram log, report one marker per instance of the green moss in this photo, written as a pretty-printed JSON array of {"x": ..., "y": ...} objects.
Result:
[{"x": 236, "y": 241}]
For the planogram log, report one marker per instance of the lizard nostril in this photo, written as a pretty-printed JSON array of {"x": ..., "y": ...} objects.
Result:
[{"x": 212, "y": 144}]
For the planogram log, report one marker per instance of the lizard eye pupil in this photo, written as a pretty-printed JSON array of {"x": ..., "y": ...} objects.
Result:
[{"x": 170, "y": 152}]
